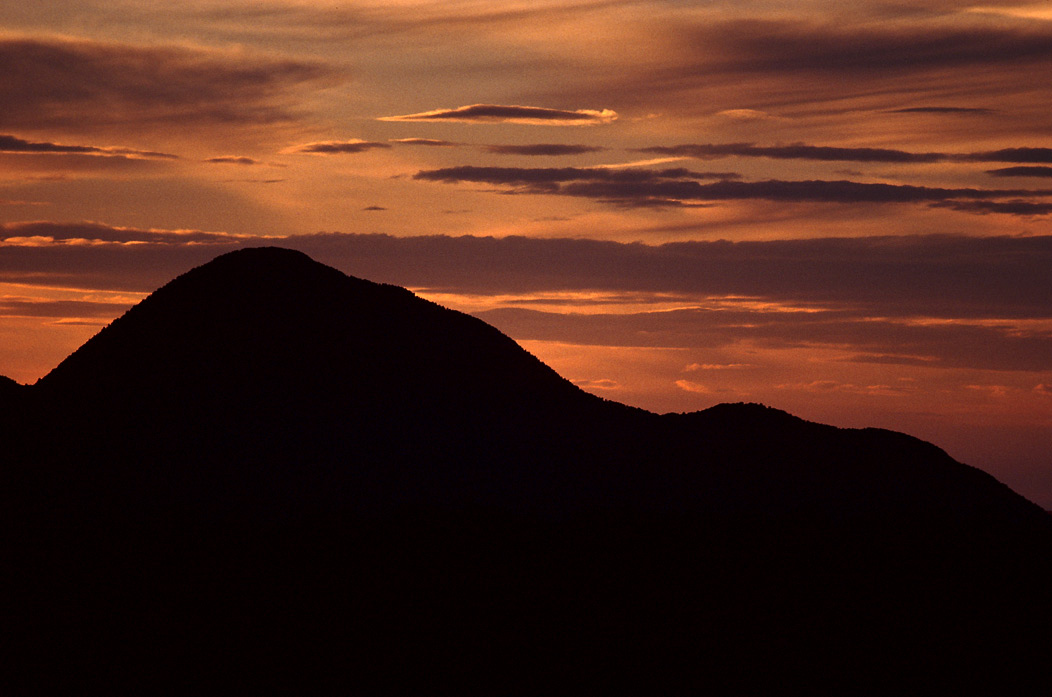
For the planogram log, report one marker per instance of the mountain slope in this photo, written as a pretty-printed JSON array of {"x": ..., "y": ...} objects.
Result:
[{"x": 265, "y": 369}]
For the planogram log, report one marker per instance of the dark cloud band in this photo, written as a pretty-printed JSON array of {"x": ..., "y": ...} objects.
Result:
[
  {"x": 821, "y": 153},
  {"x": 875, "y": 295},
  {"x": 897, "y": 276},
  {"x": 799, "y": 151},
  {"x": 670, "y": 186}
]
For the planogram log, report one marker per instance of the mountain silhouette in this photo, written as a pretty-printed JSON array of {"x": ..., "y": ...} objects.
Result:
[
  {"x": 268, "y": 464},
  {"x": 8, "y": 387}
]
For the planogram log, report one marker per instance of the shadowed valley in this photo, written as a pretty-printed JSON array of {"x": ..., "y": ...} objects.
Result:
[{"x": 270, "y": 473}]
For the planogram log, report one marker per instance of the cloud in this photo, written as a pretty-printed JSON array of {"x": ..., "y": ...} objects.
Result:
[
  {"x": 798, "y": 151},
  {"x": 628, "y": 187},
  {"x": 233, "y": 160},
  {"x": 549, "y": 149},
  {"x": 12, "y": 234},
  {"x": 60, "y": 165},
  {"x": 9, "y": 143},
  {"x": 96, "y": 256},
  {"x": 427, "y": 142},
  {"x": 1021, "y": 172},
  {"x": 27, "y": 307},
  {"x": 693, "y": 367},
  {"x": 1021, "y": 155},
  {"x": 496, "y": 113},
  {"x": 941, "y": 110},
  {"x": 746, "y": 115},
  {"x": 336, "y": 147},
  {"x": 822, "y": 153},
  {"x": 13, "y": 144},
  {"x": 995, "y": 391},
  {"x": 689, "y": 386},
  {"x": 19, "y": 202},
  {"x": 880, "y": 49},
  {"x": 87, "y": 85},
  {"x": 600, "y": 384},
  {"x": 1017, "y": 207},
  {"x": 819, "y": 386},
  {"x": 341, "y": 21},
  {"x": 814, "y": 61},
  {"x": 645, "y": 187},
  {"x": 945, "y": 344},
  {"x": 544, "y": 176}
]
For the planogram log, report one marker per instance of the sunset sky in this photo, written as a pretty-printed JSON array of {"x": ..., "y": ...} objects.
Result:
[{"x": 843, "y": 210}]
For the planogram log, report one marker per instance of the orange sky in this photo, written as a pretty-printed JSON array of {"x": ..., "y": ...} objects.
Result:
[{"x": 838, "y": 209}]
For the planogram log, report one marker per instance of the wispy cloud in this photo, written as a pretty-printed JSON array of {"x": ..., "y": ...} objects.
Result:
[
  {"x": 340, "y": 22},
  {"x": 1044, "y": 172},
  {"x": 941, "y": 110},
  {"x": 543, "y": 176},
  {"x": 597, "y": 384},
  {"x": 946, "y": 345},
  {"x": 746, "y": 115},
  {"x": 14, "y": 144},
  {"x": 233, "y": 160},
  {"x": 337, "y": 147},
  {"x": 543, "y": 149},
  {"x": 36, "y": 233},
  {"x": 804, "y": 63},
  {"x": 34, "y": 307},
  {"x": 426, "y": 142},
  {"x": 497, "y": 113},
  {"x": 1020, "y": 208},
  {"x": 891, "y": 48},
  {"x": 88, "y": 85}
]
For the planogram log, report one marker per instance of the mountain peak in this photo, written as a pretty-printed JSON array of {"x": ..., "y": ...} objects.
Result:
[{"x": 275, "y": 314}]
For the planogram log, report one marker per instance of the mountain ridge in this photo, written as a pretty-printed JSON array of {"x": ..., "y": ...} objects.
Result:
[
  {"x": 282, "y": 360},
  {"x": 267, "y": 458}
]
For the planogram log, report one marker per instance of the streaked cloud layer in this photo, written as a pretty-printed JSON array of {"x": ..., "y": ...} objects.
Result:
[
  {"x": 497, "y": 113},
  {"x": 842, "y": 210}
]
